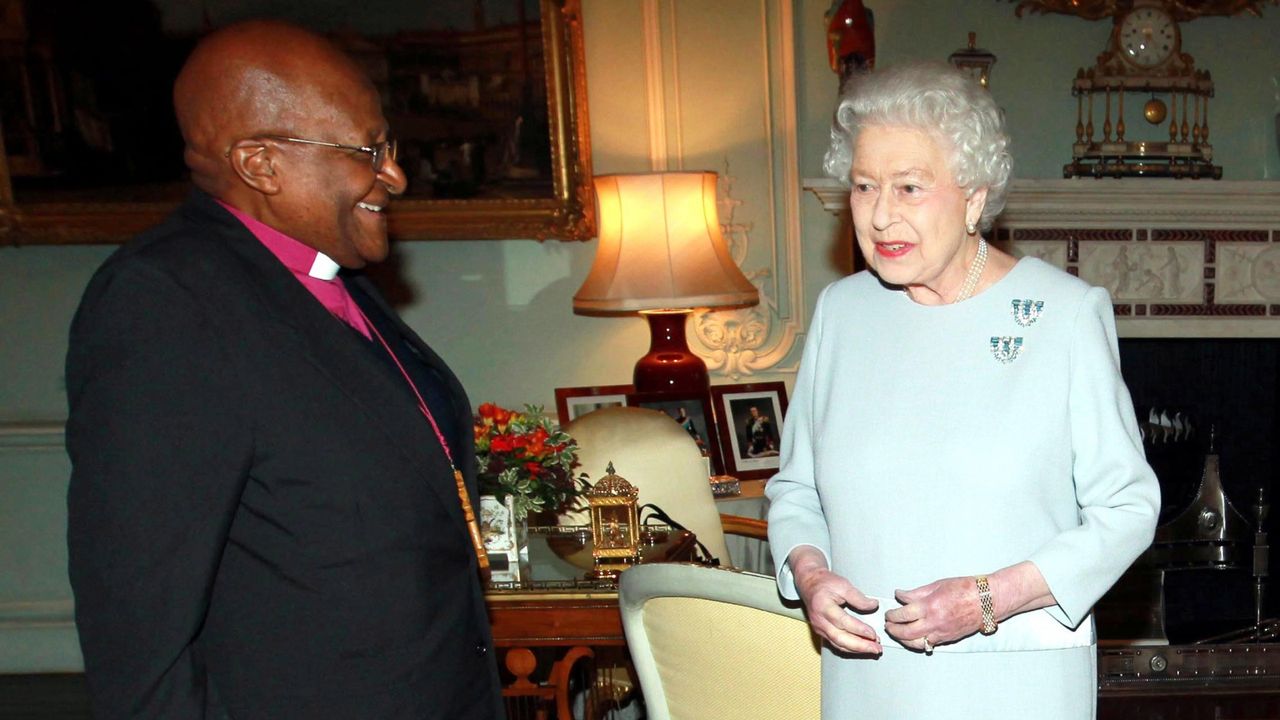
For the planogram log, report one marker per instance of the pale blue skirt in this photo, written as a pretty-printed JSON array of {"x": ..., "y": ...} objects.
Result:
[{"x": 1058, "y": 684}]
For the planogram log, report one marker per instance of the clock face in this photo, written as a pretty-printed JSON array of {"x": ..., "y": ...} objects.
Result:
[{"x": 1147, "y": 37}]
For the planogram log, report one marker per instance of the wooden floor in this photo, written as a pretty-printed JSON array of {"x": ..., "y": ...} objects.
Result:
[{"x": 43, "y": 697}]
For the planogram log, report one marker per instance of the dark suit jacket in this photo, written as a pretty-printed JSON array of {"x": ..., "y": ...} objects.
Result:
[{"x": 261, "y": 523}]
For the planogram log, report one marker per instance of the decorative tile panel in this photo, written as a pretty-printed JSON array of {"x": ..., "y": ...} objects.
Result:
[
  {"x": 1054, "y": 253},
  {"x": 1157, "y": 272},
  {"x": 1248, "y": 272}
]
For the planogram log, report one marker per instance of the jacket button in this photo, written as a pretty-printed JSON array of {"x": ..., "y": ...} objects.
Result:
[{"x": 481, "y": 649}]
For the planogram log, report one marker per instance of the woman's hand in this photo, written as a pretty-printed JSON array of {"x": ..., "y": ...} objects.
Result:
[
  {"x": 826, "y": 596},
  {"x": 943, "y": 611}
]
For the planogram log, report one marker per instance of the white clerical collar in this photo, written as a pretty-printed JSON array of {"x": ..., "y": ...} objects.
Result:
[{"x": 323, "y": 268}]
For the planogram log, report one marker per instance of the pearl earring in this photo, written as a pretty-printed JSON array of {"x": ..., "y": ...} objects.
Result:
[{"x": 971, "y": 228}]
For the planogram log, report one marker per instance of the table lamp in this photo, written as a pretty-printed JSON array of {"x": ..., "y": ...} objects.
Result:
[{"x": 661, "y": 254}]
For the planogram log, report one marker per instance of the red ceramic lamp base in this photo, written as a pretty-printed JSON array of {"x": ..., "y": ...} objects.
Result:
[{"x": 670, "y": 366}]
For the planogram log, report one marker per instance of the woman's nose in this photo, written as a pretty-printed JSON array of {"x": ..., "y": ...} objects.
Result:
[{"x": 883, "y": 212}]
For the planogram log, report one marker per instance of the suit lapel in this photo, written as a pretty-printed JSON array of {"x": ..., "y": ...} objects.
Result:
[
  {"x": 462, "y": 418},
  {"x": 358, "y": 374}
]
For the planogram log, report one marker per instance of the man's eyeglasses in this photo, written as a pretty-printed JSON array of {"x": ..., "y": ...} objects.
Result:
[{"x": 379, "y": 153}]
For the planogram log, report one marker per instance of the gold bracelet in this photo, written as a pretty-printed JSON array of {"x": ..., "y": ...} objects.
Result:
[{"x": 988, "y": 607}]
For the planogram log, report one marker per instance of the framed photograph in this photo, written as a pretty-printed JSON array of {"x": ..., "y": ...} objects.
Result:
[
  {"x": 573, "y": 402},
  {"x": 750, "y": 427},
  {"x": 691, "y": 412},
  {"x": 498, "y": 530},
  {"x": 487, "y": 100}
]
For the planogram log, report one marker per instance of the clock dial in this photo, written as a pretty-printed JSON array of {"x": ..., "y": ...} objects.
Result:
[{"x": 1148, "y": 36}]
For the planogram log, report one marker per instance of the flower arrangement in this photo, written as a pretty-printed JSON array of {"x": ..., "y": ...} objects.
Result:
[{"x": 525, "y": 456}]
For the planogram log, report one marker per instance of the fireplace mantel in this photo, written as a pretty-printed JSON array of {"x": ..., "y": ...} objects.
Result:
[{"x": 1181, "y": 258}]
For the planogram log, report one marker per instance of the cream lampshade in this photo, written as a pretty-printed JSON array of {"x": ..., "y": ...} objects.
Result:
[{"x": 661, "y": 254}]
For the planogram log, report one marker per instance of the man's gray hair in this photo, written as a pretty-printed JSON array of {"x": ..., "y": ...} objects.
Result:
[{"x": 941, "y": 101}]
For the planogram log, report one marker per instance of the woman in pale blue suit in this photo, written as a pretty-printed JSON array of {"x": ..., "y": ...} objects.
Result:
[{"x": 961, "y": 474}]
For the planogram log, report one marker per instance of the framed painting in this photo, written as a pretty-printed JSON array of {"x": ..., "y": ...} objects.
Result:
[
  {"x": 573, "y": 402},
  {"x": 487, "y": 102},
  {"x": 694, "y": 413},
  {"x": 750, "y": 427}
]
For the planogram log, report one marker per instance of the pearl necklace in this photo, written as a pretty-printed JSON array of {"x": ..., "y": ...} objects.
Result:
[{"x": 974, "y": 274}]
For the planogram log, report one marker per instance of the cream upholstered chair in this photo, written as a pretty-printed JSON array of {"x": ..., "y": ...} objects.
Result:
[
  {"x": 718, "y": 643},
  {"x": 656, "y": 455}
]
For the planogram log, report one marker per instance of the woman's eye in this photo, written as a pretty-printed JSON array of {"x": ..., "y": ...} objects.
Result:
[
  {"x": 862, "y": 188},
  {"x": 910, "y": 189}
]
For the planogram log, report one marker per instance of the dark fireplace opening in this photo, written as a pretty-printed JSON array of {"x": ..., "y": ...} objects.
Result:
[{"x": 1230, "y": 387}]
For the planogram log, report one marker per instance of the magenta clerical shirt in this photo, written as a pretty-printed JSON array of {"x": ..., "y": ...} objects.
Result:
[{"x": 315, "y": 270}]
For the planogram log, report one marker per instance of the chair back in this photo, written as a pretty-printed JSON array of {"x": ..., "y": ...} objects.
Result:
[
  {"x": 654, "y": 453},
  {"x": 718, "y": 643}
]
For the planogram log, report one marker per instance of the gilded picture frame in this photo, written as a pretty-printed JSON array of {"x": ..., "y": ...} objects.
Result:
[{"x": 562, "y": 208}]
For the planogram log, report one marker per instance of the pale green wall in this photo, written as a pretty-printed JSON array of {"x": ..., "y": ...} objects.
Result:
[{"x": 500, "y": 311}]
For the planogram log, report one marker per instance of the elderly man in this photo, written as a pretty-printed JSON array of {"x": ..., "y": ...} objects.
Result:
[{"x": 267, "y": 513}]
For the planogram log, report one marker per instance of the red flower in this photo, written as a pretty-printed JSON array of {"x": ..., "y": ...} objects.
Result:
[
  {"x": 536, "y": 443},
  {"x": 524, "y": 450},
  {"x": 493, "y": 415}
]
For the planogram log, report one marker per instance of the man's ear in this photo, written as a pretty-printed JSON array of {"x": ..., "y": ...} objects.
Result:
[{"x": 255, "y": 164}]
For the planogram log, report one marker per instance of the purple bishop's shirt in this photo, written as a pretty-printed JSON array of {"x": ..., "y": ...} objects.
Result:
[{"x": 315, "y": 270}]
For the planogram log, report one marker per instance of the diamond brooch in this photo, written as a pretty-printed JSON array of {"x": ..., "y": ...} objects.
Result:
[{"x": 1026, "y": 312}]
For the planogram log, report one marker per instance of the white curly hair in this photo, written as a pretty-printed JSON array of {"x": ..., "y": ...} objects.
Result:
[{"x": 937, "y": 99}]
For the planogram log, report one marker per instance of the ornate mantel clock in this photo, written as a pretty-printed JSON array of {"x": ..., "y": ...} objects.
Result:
[{"x": 1143, "y": 67}]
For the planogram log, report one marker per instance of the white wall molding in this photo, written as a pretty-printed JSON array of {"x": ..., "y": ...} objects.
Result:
[
  {"x": 747, "y": 341},
  {"x": 654, "y": 85},
  {"x": 28, "y": 436},
  {"x": 39, "y": 637},
  {"x": 45, "y": 613}
]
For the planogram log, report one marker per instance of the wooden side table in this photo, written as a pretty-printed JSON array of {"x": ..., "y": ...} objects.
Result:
[{"x": 557, "y": 633}]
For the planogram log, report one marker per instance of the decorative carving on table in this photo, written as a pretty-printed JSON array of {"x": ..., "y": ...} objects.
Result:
[{"x": 560, "y": 639}]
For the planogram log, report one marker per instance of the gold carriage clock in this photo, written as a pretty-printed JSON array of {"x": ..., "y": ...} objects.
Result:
[
  {"x": 1143, "y": 108},
  {"x": 615, "y": 526}
]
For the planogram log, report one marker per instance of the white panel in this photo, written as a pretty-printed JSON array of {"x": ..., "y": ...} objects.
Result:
[
  {"x": 729, "y": 101},
  {"x": 37, "y": 630}
]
